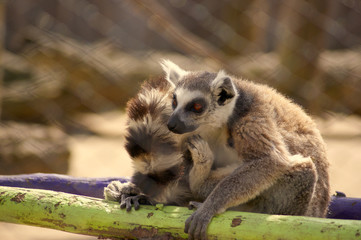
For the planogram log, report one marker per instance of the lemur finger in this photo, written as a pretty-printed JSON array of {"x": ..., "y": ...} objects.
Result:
[
  {"x": 123, "y": 197},
  {"x": 197, "y": 137},
  {"x": 191, "y": 145},
  {"x": 128, "y": 203},
  {"x": 191, "y": 229},
  {"x": 187, "y": 223},
  {"x": 197, "y": 231},
  {"x": 136, "y": 202},
  {"x": 203, "y": 232},
  {"x": 193, "y": 140}
]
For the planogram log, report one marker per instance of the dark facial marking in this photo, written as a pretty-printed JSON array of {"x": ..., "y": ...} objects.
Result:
[{"x": 197, "y": 105}]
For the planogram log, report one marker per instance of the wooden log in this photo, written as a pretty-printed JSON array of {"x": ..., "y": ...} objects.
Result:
[{"x": 97, "y": 217}]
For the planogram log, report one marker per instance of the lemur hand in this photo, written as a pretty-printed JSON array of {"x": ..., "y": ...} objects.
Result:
[
  {"x": 196, "y": 225},
  {"x": 199, "y": 149},
  {"x": 127, "y": 194}
]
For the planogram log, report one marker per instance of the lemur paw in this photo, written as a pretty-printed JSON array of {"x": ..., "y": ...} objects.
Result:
[
  {"x": 196, "y": 225},
  {"x": 126, "y": 194},
  {"x": 115, "y": 189},
  {"x": 127, "y": 201},
  {"x": 199, "y": 149}
]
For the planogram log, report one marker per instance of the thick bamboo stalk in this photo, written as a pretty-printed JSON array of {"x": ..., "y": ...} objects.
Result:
[
  {"x": 96, "y": 217},
  {"x": 341, "y": 207}
]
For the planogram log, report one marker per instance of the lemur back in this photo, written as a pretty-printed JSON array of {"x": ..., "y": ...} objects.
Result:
[{"x": 296, "y": 130}]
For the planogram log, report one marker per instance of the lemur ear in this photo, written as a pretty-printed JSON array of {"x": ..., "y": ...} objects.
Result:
[
  {"x": 223, "y": 88},
  {"x": 173, "y": 72}
]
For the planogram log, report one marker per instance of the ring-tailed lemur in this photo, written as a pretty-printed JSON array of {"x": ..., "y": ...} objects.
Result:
[
  {"x": 254, "y": 149},
  {"x": 161, "y": 168}
]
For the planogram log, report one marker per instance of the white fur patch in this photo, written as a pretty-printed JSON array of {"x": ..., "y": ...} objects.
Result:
[
  {"x": 219, "y": 79},
  {"x": 184, "y": 96},
  {"x": 173, "y": 72},
  {"x": 297, "y": 159},
  {"x": 222, "y": 113},
  {"x": 154, "y": 95}
]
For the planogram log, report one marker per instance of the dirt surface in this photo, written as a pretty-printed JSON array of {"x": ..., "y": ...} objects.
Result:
[{"x": 103, "y": 155}]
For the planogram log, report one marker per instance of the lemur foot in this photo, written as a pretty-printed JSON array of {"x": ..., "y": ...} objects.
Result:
[
  {"x": 196, "y": 225},
  {"x": 199, "y": 149},
  {"x": 127, "y": 194},
  {"x": 126, "y": 201}
]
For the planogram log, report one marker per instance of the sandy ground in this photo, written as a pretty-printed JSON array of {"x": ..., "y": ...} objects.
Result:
[{"x": 105, "y": 156}]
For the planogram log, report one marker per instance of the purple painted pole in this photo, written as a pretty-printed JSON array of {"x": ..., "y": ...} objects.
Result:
[
  {"x": 92, "y": 187},
  {"x": 341, "y": 207}
]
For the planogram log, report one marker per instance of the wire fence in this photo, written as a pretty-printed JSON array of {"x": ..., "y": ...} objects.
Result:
[{"x": 62, "y": 58}]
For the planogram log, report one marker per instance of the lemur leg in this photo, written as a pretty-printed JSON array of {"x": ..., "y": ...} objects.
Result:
[
  {"x": 126, "y": 194},
  {"x": 291, "y": 194}
]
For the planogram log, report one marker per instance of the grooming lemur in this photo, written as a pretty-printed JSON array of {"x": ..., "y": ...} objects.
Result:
[
  {"x": 250, "y": 149},
  {"x": 162, "y": 168}
]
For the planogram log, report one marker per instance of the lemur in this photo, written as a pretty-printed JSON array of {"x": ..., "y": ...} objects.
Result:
[
  {"x": 259, "y": 151},
  {"x": 162, "y": 168}
]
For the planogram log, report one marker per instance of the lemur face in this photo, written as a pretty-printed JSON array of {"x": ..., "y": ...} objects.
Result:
[
  {"x": 199, "y": 99},
  {"x": 189, "y": 110}
]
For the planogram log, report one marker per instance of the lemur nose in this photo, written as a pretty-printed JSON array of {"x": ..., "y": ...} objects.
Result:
[{"x": 171, "y": 125}]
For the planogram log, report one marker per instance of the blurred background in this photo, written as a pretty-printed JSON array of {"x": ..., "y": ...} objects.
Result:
[{"x": 67, "y": 69}]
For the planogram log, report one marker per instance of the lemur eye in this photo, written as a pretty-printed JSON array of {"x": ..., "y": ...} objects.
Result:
[
  {"x": 197, "y": 107},
  {"x": 174, "y": 102}
]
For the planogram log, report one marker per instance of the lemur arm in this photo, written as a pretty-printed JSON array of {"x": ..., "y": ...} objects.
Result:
[
  {"x": 202, "y": 178},
  {"x": 265, "y": 159}
]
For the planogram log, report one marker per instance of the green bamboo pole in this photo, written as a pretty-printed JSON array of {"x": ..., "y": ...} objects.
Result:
[{"x": 97, "y": 217}]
